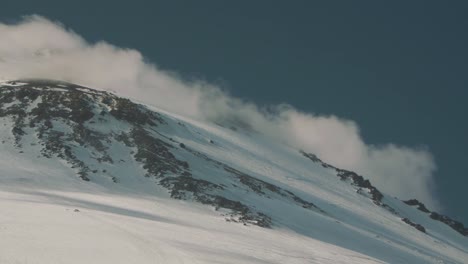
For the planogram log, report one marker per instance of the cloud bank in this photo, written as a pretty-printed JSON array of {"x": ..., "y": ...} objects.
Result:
[{"x": 39, "y": 48}]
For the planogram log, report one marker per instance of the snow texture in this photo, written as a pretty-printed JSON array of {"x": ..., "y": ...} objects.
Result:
[{"x": 123, "y": 215}]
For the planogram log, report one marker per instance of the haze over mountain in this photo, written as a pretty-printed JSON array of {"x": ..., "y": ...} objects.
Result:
[
  {"x": 107, "y": 159},
  {"x": 39, "y": 48}
]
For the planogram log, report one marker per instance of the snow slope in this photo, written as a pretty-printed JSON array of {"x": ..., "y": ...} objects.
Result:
[{"x": 247, "y": 199}]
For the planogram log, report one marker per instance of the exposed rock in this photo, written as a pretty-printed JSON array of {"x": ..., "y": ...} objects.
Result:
[
  {"x": 355, "y": 179},
  {"x": 261, "y": 187},
  {"x": 359, "y": 181},
  {"x": 420, "y": 205},
  {"x": 63, "y": 116},
  {"x": 417, "y": 226},
  {"x": 124, "y": 109},
  {"x": 377, "y": 197},
  {"x": 455, "y": 225}
]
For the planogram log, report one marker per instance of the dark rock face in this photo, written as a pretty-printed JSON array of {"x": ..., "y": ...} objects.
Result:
[
  {"x": 355, "y": 179},
  {"x": 155, "y": 154},
  {"x": 263, "y": 188},
  {"x": 77, "y": 124},
  {"x": 421, "y": 206},
  {"x": 39, "y": 104},
  {"x": 377, "y": 197},
  {"x": 417, "y": 226},
  {"x": 359, "y": 181},
  {"x": 239, "y": 179},
  {"x": 455, "y": 225},
  {"x": 126, "y": 110}
]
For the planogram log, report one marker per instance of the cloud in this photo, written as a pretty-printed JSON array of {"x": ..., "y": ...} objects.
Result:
[{"x": 39, "y": 48}]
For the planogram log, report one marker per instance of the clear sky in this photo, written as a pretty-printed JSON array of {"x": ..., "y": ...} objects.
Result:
[{"x": 397, "y": 68}]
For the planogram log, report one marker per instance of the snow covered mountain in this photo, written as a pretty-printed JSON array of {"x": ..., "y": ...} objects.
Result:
[{"x": 89, "y": 177}]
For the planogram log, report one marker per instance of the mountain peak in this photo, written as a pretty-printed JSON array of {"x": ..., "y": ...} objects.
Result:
[
  {"x": 79, "y": 124},
  {"x": 104, "y": 143}
]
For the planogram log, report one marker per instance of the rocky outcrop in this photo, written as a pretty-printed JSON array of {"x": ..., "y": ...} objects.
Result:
[
  {"x": 359, "y": 181},
  {"x": 354, "y": 178},
  {"x": 421, "y": 207},
  {"x": 264, "y": 188},
  {"x": 77, "y": 124},
  {"x": 455, "y": 225},
  {"x": 377, "y": 197},
  {"x": 417, "y": 226}
]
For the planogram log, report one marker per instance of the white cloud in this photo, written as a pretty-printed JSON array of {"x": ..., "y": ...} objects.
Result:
[{"x": 39, "y": 48}]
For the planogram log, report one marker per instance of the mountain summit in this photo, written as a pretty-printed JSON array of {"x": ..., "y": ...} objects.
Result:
[{"x": 88, "y": 176}]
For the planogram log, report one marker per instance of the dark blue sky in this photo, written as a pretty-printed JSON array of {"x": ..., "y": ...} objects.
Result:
[{"x": 398, "y": 68}]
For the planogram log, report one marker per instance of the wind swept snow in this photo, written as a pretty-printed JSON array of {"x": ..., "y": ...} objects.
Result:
[{"x": 96, "y": 184}]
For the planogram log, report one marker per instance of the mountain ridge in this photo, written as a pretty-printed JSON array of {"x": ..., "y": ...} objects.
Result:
[{"x": 97, "y": 134}]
